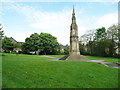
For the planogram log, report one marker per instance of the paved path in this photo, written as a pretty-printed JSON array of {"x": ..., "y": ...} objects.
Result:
[
  {"x": 53, "y": 58},
  {"x": 114, "y": 65},
  {"x": 108, "y": 64}
]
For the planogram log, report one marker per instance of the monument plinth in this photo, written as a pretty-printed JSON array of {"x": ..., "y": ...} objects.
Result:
[{"x": 74, "y": 53}]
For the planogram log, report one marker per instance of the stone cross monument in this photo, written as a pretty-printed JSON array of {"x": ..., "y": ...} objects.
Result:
[
  {"x": 74, "y": 53},
  {"x": 74, "y": 42}
]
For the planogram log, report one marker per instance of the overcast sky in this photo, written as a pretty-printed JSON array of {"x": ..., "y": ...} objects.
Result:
[{"x": 21, "y": 19}]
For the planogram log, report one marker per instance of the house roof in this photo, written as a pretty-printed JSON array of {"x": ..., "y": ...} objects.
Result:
[{"x": 13, "y": 40}]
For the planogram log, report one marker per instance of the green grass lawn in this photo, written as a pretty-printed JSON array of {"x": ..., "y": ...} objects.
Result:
[
  {"x": 35, "y": 71},
  {"x": 106, "y": 59},
  {"x": 57, "y": 56}
]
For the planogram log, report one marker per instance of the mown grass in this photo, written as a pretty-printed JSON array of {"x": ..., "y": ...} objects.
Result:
[
  {"x": 0, "y": 72},
  {"x": 106, "y": 59},
  {"x": 57, "y": 56},
  {"x": 33, "y": 71}
]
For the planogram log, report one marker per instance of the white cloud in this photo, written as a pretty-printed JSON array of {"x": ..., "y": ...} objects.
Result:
[
  {"x": 58, "y": 23},
  {"x": 107, "y": 20},
  {"x": 45, "y": 20}
]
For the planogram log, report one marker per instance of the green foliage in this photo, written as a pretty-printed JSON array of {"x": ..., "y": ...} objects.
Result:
[
  {"x": 109, "y": 47},
  {"x": 25, "y": 48},
  {"x": 7, "y": 44},
  {"x": 44, "y": 43},
  {"x": 48, "y": 44},
  {"x": 66, "y": 50},
  {"x": 113, "y": 32},
  {"x": 104, "y": 43},
  {"x": 82, "y": 48},
  {"x": 1, "y": 36},
  {"x": 1, "y": 32},
  {"x": 31, "y": 43},
  {"x": 17, "y": 45},
  {"x": 32, "y": 71},
  {"x": 14, "y": 52},
  {"x": 100, "y": 34}
]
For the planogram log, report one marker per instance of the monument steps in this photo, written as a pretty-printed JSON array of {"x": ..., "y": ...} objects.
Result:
[{"x": 74, "y": 58}]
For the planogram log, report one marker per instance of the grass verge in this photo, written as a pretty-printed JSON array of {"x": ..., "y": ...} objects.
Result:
[{"x": 34, "y": 71}]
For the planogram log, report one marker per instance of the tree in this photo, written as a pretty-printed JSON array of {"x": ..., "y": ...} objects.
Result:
[
  {"x": 66, "y": 50},
  {"x": 86, "y": 42},
  {"x": 7, "y": 44},
  {"x": 109, "y": 47},
  {"x": 17, "y": 45},
  {"x": 98, "y": 46},
  {"x": 82, "y": 48},
  {"x": 31, "y": 43},
  {"x": 1, "y": 36},
  {"x": 95, "y": 42},
  {"x": 44, "y": 44},
  {"x": 90, "y": 47},
  {"x": 100, "y": 34},
  {"x": 1, "y": 32},
  {"x": 48, "y": 44},
  {"x": 104, "y": 42},
  {"x": 25, "y": 48},
  {"x": 113, "y": 35}
]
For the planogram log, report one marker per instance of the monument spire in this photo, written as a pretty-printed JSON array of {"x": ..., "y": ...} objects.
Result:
[
  {"x": 73, "y": 10},
  {"x": 74, "y": 53},
  {"x": 73, "y": 16}
]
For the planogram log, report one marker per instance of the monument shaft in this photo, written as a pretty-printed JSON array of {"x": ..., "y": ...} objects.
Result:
[{"x": 74, "y": 42}]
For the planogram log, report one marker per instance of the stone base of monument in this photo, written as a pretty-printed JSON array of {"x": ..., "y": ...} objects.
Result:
[{"x": 74, "y": 58}]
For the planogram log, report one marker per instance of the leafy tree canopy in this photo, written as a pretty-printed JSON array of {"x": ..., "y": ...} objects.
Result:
[
  {"x": 7, "y": 44},
  {"x": 1, "y": 32},
  {"x": 105, "y": 42},
  {"x": 43, "y": 43}
]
